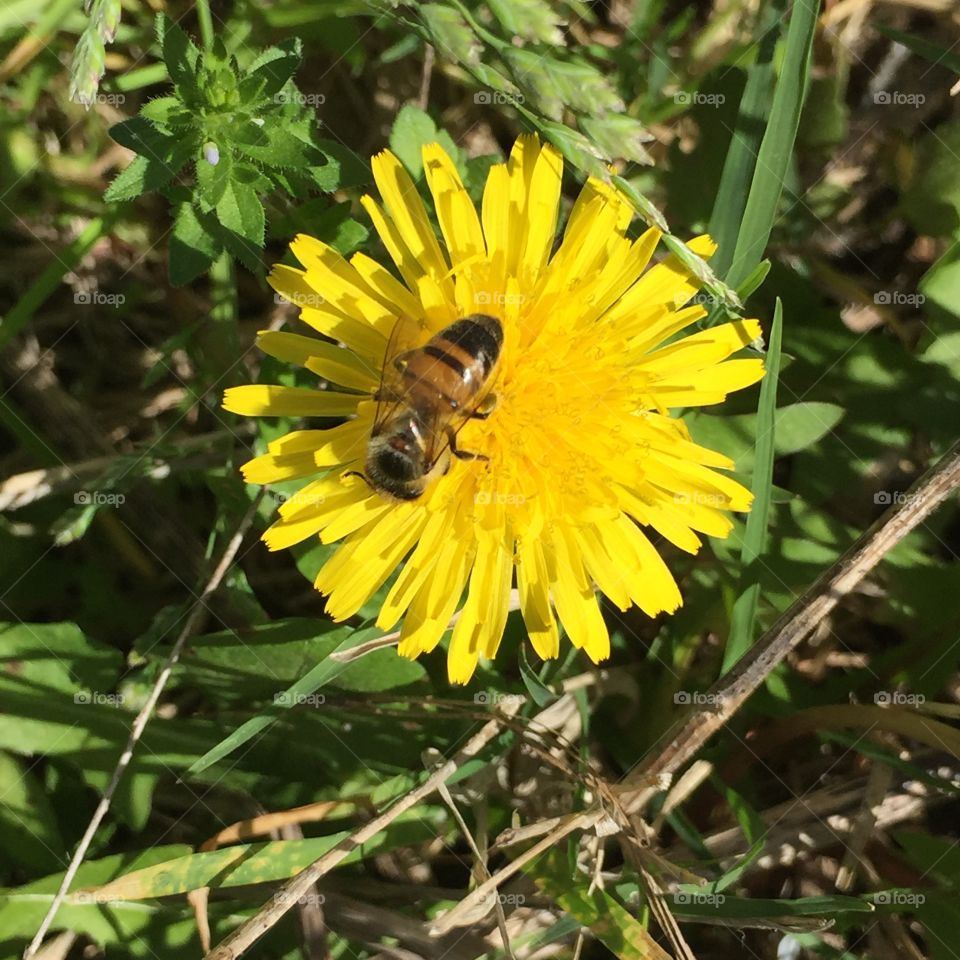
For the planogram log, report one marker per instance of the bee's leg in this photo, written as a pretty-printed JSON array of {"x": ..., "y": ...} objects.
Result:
[
  {"x": 486, "y": 408},
  {"x": 362, "y": 476},
  {"x": 384, "y": 395},
  {"x": 457, "y": 452}
]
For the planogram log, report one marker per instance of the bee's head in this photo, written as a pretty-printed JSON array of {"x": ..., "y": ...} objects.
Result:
[{"x": 396, "y": 466}]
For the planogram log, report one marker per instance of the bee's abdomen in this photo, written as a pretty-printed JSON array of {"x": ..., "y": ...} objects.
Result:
[
  {"x": 478, "y": 337},
  {"x": 457, "y": 361}
]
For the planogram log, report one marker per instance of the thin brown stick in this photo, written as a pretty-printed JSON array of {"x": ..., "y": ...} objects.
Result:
[
  {"x": 730, "y": 692},
  {"x": 270, "y": 913},
  {"x": 139, "y": 724},
  {"x": 423, "y": 97}
]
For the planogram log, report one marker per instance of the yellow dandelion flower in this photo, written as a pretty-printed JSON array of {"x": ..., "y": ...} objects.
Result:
[{"x": 579, "y": 458}]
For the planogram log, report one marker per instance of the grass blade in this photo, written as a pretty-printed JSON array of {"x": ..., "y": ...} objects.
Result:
[
  {"x": 933, "y": 52},
  {"x": 776, "y": 149},
  {"x": 745, "y": 609},
  {"x": 321, "y": 674},
  {"x": 739, "y": 167},
  {"x": 51, "y": 277}
]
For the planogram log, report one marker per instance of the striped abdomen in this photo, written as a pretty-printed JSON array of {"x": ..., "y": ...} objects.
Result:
[{"x": 450, "y": 370}]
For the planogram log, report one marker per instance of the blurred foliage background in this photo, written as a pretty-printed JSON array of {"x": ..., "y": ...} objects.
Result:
[{"x": 154, "y": 158}]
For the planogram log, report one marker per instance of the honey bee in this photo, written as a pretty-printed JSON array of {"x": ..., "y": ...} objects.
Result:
[{"x": 426, "y": 395}]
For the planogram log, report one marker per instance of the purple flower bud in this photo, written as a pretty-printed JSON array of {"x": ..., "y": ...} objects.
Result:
[{"x": 212, "y": 153}]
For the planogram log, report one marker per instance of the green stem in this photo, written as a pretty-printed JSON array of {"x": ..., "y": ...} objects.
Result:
[
  {"x": 223, "y": 291},
  {"x": 223, "y": 341},
  {"x": 206, "y": 23}
]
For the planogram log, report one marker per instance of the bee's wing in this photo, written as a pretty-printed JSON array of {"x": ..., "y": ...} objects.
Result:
[
  {"x": 449, "y": 424},
  {"x": 406, "y": 336}
]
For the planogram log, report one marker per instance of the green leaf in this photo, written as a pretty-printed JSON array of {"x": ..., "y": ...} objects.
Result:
[
  {"x": 23, "y": 908},
  {"x": 932, "y": 52},
  {"x": 936, "y": 857},
  {"x": 57, "y": 656},
  {"x": 411, "y": 130},
  {"x": 192, "y": 247},
  {"x": 343, "y": 167},
  {"x": 741, "y": 159},
  {"x": 378, "y": 671},
  {"x": 940, "y": 288},
  {"x": 141, "y": 176},
  {"x": 312, "y": 681},
  {"x": 697, "y": 901},
  {"x": 275, "y": 145},
  {"x": 240, "y": 211},
  {"x": 328, "y": 222},
  {"x": 932, "y": 200},
  {"x": 271, "y": 70},
  {"x": 539, "y": 692},
  {"x": 181, "y": 56},
  {"x": 134, "y": 180},
  {"x": 159, "y": 158},
  {"x": 253, "y": 862},
  {"x": 213, "y": 178},
  {"x": 776, "y": 148},
  {"x": 607, "y": 920},
  {"x": 800, "y": 425},
  {"x": 238, "y": 659},
  {"x": 161, "y": 110},
  {"x": 29, "y": 835},
  {"x": 743, "y": 618}
]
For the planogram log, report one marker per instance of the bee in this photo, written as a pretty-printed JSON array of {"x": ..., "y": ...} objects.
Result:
[{"x": 426, "y": 395}]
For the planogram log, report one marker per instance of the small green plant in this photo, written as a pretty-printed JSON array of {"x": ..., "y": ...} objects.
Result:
[{"x": 245, "y": 132}]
